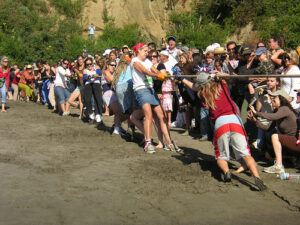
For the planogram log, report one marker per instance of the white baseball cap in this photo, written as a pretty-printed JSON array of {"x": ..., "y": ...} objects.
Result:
[
  {"x": 165, "y": 53},
  {"x": 107, "y": 52}
]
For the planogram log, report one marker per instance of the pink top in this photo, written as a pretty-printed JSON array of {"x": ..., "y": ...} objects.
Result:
[
  {"x": 6, "y": 76},
  {"x": 167, "y": 87}
]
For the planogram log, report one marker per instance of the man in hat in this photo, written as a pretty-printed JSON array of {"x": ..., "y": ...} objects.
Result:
[{"x": 172, "y": 50}]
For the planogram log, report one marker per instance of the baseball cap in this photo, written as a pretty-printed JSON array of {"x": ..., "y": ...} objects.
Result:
[
  {"x": 281, "y": 93},
  {"x": 247, "y": 49},
  {"x": 185, "y": 49},
  {"x": 29, "y": 66},
  {"x": 172, "y": 38},
  {"x": 203, "y": 78},
  {"x": 107, "y": 52},
  {"x": 260, "y": 51},
  {"x": 165, "y": 53}
]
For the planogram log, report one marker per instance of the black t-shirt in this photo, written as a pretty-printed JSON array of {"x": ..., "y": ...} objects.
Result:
[{"x": 157, "y": 83}]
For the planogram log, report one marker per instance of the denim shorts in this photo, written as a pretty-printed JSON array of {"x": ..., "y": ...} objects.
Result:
[
  {"x": 3, "y": 93},
  {"x": 63, "y": 94},
  {"x": 147, "y": 95}
]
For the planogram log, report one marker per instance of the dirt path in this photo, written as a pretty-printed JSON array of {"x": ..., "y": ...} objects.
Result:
[{"x": 58, "y": 170}]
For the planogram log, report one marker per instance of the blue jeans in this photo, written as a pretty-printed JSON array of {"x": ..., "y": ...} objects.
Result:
[
  {"x": 45, "y": 91},
  {"x": 3, "y": 93},
  {"x": 63, "y": 94},
  {"x": 206, "y": 124}
]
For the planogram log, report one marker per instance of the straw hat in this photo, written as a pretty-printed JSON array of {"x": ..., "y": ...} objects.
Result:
[{"x": 220, "y": 50}]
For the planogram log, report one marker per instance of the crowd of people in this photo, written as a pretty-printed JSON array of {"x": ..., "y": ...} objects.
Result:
[{"x": 145, "y": 87}]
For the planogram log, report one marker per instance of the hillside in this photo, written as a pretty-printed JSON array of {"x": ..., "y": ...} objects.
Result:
[{"x": 152, "y": 16}]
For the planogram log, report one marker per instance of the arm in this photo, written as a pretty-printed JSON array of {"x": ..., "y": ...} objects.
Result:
[
  {"x": 139, "y": 67},
  {"x": 275, "y": 56},
  {"x": 281, "y": 113},
  {"x": 108, "y": 76},
  {"x": 190, "y": 85},
  {"x": 267, "y": 127}
]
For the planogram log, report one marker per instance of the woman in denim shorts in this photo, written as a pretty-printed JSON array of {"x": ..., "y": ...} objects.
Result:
[{"x": 142, "y": 72}]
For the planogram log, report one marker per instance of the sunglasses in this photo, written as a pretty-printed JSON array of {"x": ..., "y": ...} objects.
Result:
[
  {"x": 113, "y": 65},
  {"x": 65, "y": 63},
  {"x": 89, "y": 64},
  {"x": 154, "y": 56},
  {"x": 230, "y": 49}
]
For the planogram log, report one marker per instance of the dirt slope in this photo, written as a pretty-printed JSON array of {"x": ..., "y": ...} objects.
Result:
[{"x": 151, "y": 15}]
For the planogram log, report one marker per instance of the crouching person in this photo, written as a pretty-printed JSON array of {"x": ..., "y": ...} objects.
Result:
[{"x": 228, "y": 126}]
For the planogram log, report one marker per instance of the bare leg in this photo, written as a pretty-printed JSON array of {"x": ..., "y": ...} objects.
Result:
[
  {"x": 158, "y": 131},
  {"x": 163, "y": 123},
  {"x": 3, "y": 107},
  {"x": 223, "y": 165},
  {"x": 147, "y": 120},
  {"x": 136, "y": 118},
  {"x": 118, "y": 113},
  {"x": 277, "y": 149},
  {"x": 251, "y": 164},
  {"x": 71, "y": 101},
  {"x": 63, "y": 107}
]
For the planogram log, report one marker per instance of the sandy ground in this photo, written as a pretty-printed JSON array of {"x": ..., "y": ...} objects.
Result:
[{"x": 58, "y": 170}]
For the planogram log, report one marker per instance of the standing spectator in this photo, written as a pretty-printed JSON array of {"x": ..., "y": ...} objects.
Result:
[
  {"x": 172, "y": 50},
  {"x": 4, "y": 81},
  {"x": 167, "y": 86},
  {"x": 232, "y": 62},
  {"x": 289, "y": 84},
  {"x": 92, "y": 31},
  {"x": 276, "y": 47},
  {"x": 125, "y": 49},
  {"x": 15, "y": 82}
]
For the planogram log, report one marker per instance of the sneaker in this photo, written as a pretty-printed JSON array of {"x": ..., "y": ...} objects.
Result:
[
  {"x": 203, "y": 139},
  {"x": 177, "y": 149},
  {"x": 118, "y": 131},
  {"x": 254, "y": 144},
  {"x": 227, "y": 177},
  {"x": 274, "y": 169},
  {"x": 260, "y": 184},
  {"x": 66, "y": 113},
  {"x": 98, "y": 118},
  {"x": 170, "y": 148},
  {"x": 173, "y": 125},
  {"x": 186, "y": 133},
  {"x": 149, "y": 148}
]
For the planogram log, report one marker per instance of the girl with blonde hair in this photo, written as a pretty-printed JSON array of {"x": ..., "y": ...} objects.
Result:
[{"x": 228, "y": 126}]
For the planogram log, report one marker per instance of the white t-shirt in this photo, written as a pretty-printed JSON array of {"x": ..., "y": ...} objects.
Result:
[
  {"x": 60, "y": 78},
  {"x": 173, "y": 56},
  {"x": 169, "y": 65},
  {"x": 92, "y": 29},
  {"x": 289, "y": 84},
  {"x": 140, "y": 80}
]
